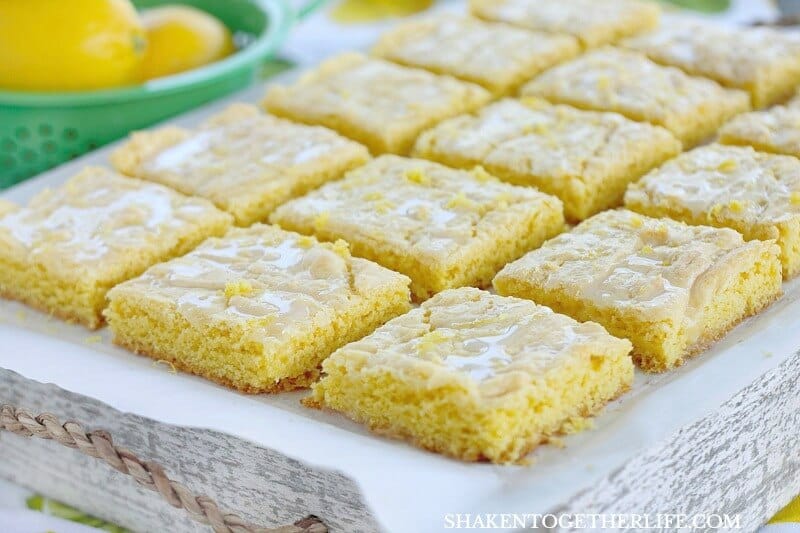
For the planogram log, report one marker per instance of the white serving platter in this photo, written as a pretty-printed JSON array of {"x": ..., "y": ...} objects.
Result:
[{"x": 676, "y": 443}]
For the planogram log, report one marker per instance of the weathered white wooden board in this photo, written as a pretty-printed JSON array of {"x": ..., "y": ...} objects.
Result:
[
  {"x": 260, "y": 485},
  {"x": 743, "y": 459}
]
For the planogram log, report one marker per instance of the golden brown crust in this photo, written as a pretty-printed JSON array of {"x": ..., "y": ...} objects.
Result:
[
  {"x": 444, "y": 228},
  {"x": 72, "y": 318},
  {"x": 348, "y": 93},
  {"x": 519, "y": 459},
  {"x": 649, "y": 364},
  {"x": 302, "y": 381},
  {"x": 626, "y": 82}
]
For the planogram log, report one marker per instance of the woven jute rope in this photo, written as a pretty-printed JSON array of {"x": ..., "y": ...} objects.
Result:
[{"x": 148, "y": 474}]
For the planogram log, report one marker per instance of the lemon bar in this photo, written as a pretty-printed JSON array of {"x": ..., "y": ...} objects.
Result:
[
  {"x": 7, "y": 207},
  {"x": 63, "y": 251},
  {"x": 476, "y": 376},
  {"x": 441, "y": 227},
  {"x": 671, "y": 288},
  {"x": 378, "y": 103},
  {"x": 244, "y": 161},
  {"x": 257, "y": 310},
  {"x": 764, "y": 62},
  {"x": 496, "y": 56},
  {"x": 627, "y": 82},
  {"x": 594, "y": 22},
  {"x": 756, "y": 194},
  {"x": 586, "y": 158},
  {"x": 776, "y": 130}
]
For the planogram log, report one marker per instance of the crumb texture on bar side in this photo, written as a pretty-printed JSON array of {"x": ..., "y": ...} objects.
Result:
[
  {"x": 765, "y": 62},
  {"x": 776, "y": 130},
  {"x": 63, "y": 251},
  {"x": 627, "y": 82},
  {"x": 443, "y": 228},
  {"x": 593, "y": 22},
  {"x": 496, "y": 56},
  {"x": 586, "y": 158},
  {"x": 378, "y": 103},
  {"x": 757, "y": 194},
  {"x": 476, "y": 376},
  {"x": 244, "y": 161},
  {"x": 671, "y": 288},
  {"x": 257, "y": 310}
]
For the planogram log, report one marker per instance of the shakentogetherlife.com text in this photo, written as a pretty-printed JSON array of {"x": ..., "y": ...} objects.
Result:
[{"x": 607, "y": 521}]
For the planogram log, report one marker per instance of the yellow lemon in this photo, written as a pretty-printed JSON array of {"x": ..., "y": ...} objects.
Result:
[
  {"x": 359, "y": 11},
  {"x": 74, "y": 45},
  {"x": 182, "y": 38}
]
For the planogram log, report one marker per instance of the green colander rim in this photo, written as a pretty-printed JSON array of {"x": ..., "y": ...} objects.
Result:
[{"x": 281, "y": 18}]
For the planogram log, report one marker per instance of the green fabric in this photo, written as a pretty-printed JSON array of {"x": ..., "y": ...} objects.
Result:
[
  {"x": 706, "y": 6},
  {"x": 65, "y": 512}
]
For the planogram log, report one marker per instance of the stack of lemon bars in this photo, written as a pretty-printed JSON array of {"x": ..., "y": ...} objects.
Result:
[{"x": 467, "y": 238}]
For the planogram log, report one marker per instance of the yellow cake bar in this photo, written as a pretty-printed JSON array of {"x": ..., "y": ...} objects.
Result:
[
  {"x": 496, "y": 56},
  {"x": 627, "y": 82},
  {"x": 7, "y": 207},
  {"x": 594, "y": 22},
  {"x": 585, "y": 158},
  {"x": 380, "y": 104},
  {"x": 476, "y": 376},
  {"x": 672, "y": 289},
  {"x": 257, "y": 310},
  {"x": 63, "y": 251},
  {"x": 755, "y": 193},
  {"x": 244, "y": 161},
  {"x": 441, "y": 227},
  {"x": 765, "y": 62},
  {"x": 776, "y": 130}
]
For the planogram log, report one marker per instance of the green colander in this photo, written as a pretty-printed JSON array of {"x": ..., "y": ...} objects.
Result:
[{"x": 39, "y": 130}]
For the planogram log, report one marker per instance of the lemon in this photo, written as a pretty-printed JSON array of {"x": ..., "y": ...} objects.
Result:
[
  {"x": 74, "y": 45},
  {"x": 181, "y": 38},
  {"x": 358, "y": 11}
]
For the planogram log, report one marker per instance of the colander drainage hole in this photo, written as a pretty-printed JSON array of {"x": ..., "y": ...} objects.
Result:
[{"x": 23, "y": 133}]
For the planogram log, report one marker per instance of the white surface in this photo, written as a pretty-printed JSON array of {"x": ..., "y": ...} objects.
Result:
[
  {"x": 47, "y": 350},
  {"x": 781, "y": 528},
  {"x": 391, "y": 474}
]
